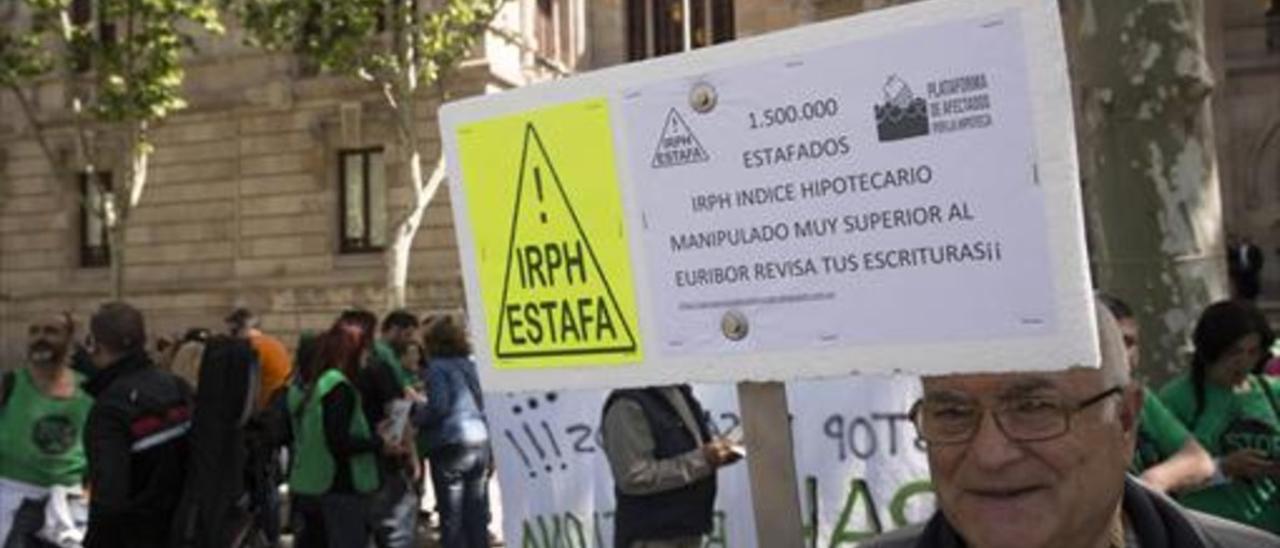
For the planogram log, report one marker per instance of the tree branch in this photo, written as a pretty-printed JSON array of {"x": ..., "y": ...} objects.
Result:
[
  {"x": 89, "y": 154},
  {"x": 138, "y": 164},
  {"x": 433, "y": 182},
  {"x": 38, "y": 129}
]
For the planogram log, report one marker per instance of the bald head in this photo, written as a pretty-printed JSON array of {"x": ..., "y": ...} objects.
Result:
[{"x": 1115, "y": 363}]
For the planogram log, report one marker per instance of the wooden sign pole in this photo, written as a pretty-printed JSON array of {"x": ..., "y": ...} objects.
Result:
[{"x": 775, "y": 493}]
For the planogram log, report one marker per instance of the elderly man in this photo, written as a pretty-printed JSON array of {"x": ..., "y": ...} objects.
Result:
[{"x": 1038, "y": 460}]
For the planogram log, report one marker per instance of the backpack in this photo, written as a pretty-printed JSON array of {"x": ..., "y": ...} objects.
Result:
[{"x": 213, "y": 512}]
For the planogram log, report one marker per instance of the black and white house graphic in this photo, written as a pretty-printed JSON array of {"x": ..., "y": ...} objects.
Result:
[{"x": 902, "y": 115}]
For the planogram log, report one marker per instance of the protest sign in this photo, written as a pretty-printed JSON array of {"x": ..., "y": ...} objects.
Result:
[
  {"x": 562, "y": 289},
  {"x": 790, "y": 206},
  {"x": 856, "y": 455}
]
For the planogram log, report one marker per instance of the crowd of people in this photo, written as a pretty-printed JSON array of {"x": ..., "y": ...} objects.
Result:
[
  {"x": 1076, "y": 458},
  {"x": 187, "y": 442},
  {"x": 112, "y": 442},
  {"x": 1211, "y": 435}
]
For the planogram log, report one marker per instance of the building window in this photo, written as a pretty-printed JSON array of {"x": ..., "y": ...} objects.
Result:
[
  {"x": 544, "y": 28},
  {"x": 553, "y": 32},
  {"x": 1273, "y": 27},
  {"x": 656, "y": 27},
  {"x": 363, "y": 179},
  {"x": 95, "y": 248},
  {"x": 82, "y": 15}
]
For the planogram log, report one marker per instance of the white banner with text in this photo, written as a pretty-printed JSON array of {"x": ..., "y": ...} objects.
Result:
[{"x": 861, "y": 471}]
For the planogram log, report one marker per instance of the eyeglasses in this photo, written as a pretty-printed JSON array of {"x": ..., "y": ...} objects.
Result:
[{"x": 1023, "y": 419}]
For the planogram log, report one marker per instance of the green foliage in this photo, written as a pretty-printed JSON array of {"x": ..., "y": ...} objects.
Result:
[
  {"x": 449, "y": 34},
  {"x": 22, "y": 57},
  {"x": 332, "y": 35},
  {"x": 381, "y": 40},
  {"x": 135, "y": 72}
]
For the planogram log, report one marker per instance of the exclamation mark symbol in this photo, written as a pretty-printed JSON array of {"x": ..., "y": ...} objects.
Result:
[
  {"x": 523, "y": 456},
  {"x": 537, "y": 180}
]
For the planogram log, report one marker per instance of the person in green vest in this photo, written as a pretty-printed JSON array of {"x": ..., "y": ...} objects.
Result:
[
  {"x": 1167, "y": 457},
  {"x": 335, "y": 470},
  {"x": 1234, "y": 413},
  {"x": 42, "y": 417}
]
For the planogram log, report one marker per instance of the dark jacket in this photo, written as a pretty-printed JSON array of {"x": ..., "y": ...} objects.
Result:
[
  {"x": 1155, "y": 519},
  {"x": 379, "y": 384},
  {"x": 137, "y": 447},
  {"x": 683, "y": 512},
  {"x": 339, "y": 405},
  {"x": 229, "y": 381}
]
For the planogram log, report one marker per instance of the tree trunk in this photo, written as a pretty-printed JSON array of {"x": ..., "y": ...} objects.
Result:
[
  {"x": 115, "y": 248},
  {"x": 124, "y": 199},
  {"x": 396, "y": 256},
  {"x": 1148, "y": 165}
]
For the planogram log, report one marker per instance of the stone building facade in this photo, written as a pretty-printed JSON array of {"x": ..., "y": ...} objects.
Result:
[
  {"x": 245, "y": 201},
  {"x": 246, "y": 204},
  {"x": 1249, "y": 123}
]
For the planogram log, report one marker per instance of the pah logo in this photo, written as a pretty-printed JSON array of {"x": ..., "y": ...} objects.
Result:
[{"x": 902, "y": 115}]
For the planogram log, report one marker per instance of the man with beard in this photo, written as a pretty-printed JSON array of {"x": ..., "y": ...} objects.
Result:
[{"x": 42, "y": 416}]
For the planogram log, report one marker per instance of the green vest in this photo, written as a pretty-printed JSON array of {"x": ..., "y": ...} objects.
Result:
[
  {"x": 43, "y": 436},
  {"x": 314, "y": 467}
]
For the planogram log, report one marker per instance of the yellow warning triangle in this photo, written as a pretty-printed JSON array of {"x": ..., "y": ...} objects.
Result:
[{"x": 556, "y": 300}]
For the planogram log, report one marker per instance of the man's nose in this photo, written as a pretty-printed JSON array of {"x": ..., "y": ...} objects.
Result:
[{"x": 990, "y": 448}]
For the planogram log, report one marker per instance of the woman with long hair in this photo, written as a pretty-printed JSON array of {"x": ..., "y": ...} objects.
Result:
[
  {"x": 334, "y": 469},
  {"x": 456, "y": 435},
  {"x": 1234, "y": 413}
]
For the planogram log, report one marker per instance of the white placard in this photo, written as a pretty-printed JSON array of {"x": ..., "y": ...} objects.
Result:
[
  {"x": 855, "y": 455},
  {"x": 557, "y": 489},
  {"x": 864, "y": 196},
  {"x": 835, "y": 198}
]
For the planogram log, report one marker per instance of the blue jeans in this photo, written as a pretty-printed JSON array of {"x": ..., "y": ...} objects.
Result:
[
  {"x": 459, "y": 476},
  {"x": 395, "y": 508}
]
